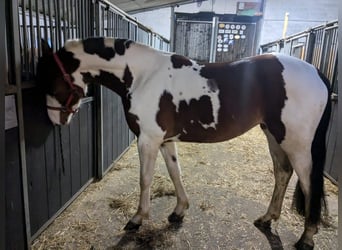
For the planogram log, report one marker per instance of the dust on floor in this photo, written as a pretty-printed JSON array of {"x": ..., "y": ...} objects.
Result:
[{"x": 229, "y": 186}]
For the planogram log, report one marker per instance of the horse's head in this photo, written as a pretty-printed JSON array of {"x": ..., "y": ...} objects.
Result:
[{"x": 54, "y": 77}]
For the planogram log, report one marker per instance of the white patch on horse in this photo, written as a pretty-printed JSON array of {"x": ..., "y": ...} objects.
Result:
[
  {"x": 302, "y": 111},
  {"x": 192, "y": 86},
  {"x": 54, "y": 115}
]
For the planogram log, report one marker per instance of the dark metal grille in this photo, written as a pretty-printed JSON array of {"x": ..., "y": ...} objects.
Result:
[{"x": 47, "y": 179}]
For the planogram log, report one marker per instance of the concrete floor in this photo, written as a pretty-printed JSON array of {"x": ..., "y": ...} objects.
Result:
[{"x": 229, "y": 185}]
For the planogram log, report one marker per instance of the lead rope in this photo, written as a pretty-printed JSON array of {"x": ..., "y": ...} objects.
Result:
[{"x": 61, "y": 146}]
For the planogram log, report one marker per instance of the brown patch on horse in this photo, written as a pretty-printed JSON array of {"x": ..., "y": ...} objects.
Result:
[
  {"x": 250, "y": 91},
  {"x": 180, "y": 61},
  {"x": 188, "y": 121},
  {"x": 128, "y": 77},
  {"x": 97, "y": 46}
]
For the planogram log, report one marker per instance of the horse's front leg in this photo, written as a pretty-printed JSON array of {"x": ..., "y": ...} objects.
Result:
[
  {"x": 148, "y": 151},
  {"x": 169, "y": 152}
]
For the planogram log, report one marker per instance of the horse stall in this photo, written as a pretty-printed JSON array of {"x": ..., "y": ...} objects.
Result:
[
  {"x": 52, "y": 201},
  {"x": 199, "y": 103},
  {"x": 48, "y": 166}
]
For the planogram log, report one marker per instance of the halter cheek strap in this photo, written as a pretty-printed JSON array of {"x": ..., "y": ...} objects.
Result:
[{"x": 67, "y": 78}]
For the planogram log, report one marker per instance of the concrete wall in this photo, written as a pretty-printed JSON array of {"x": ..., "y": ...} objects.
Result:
[
  {"x": 158, "y": 20},
  {"x": 217, "y": 6},
  {"x": 303, "y": 14}
]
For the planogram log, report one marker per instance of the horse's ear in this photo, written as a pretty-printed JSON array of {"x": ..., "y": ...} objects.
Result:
[{"x": 46, "y": 49}]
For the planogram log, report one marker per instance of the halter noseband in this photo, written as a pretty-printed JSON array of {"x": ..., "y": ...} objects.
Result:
[{"x": 67, "y": 79}]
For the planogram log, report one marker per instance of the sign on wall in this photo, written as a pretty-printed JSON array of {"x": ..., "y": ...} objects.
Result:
[{"x": 234, "y": 41}]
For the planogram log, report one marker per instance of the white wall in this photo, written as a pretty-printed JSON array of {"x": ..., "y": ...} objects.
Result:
[
  {"x": 158, "y": 20},
  {"x": 217, "y": 6},
  {"x": 303, "y": 15}
]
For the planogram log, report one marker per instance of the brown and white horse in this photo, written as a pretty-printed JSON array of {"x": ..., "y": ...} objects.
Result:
[{"x": 169, "y": 98}]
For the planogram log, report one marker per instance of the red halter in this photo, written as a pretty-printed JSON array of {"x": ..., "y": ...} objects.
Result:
[{"x": 73, "y": 87}]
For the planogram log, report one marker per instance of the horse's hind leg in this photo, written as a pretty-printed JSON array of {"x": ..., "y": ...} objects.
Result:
[
  {"x": 169, "y": 152},
  {"x": 302, "y": 165},
  {"x": 282, "y": 172}
]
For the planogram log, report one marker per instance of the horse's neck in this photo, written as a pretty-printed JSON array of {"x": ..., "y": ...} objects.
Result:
[{"x": 112, "y": 71}]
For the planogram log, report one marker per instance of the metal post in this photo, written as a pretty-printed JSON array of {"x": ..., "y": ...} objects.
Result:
[
  {"x": 339, "y": 144},
  {"x": 212, "y": 57},
  {"x": 14, "y": 13},
  {"x": 172, "y": 29},
  {"x": 98, "y": 103},
  {"x": 310, "y": 45},
  {"x": 3, "y": 63}
]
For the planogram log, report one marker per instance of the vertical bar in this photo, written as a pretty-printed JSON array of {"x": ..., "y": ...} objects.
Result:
[
  {"x": 72, "y": 9},
  {"x": 68, "y": 33},
  {"x": 16, "y": 55},
  {"x": 24, "y": 35},
  {"x": 310, "y": 46},
  {"x": 63, "y": 20},
  {"x": 76, "y": 21},
  {"x": 32, "y": 37},
  {"x": 339, "y": 148},
  {"x": 3, "y": 67},
  {"x": 39, "y": 36},
  {"x": 212, "y": 56},
  {"x": 46, "y": 35},
  {"x": 57, "y": 23},
  {"x": 52, "y": 42},
  {"x": 98, "y": 93}
]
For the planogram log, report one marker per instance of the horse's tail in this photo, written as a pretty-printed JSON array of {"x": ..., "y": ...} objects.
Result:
[{"x": 318, "y": 153}]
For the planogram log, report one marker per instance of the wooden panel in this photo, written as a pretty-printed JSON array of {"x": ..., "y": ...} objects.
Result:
[
  {"x": 116, "y": 136},
  {"x": 91, "y": 139},
  {"x": 76, "y": 156},
  {"x": 59, "y": 164},
  {"x": 192, "y": 39},
  {"x": 83, "y": 146},
  {"x": 53, "y": 166},
  {"x": 14, "y": 209},
  {"x": 65, "y": 174},
  {"x": 38, "y": 189}
]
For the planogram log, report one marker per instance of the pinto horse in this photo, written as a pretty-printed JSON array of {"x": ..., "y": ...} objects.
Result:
[{"x": 169, "y": 98}]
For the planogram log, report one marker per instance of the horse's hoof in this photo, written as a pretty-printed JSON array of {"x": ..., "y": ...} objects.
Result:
[
  {"x": 175, "y": 218},
  {"x": 132, "y": 227},
  {"x": 259, "y": 223},
  {"x": 300, "y": 245}
]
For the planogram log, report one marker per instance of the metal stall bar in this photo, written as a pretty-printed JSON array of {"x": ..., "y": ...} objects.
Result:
[
  {"x": 31, "y": 65},
  {"x": 45, "y": 23},
  {"x": 51, "y": 27},
  {"x": 98, "y": 92},
  {"x": 39, "y": 36},
  {"x": 15, "y": 49},
  {"x": 3, "y": 67}
]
